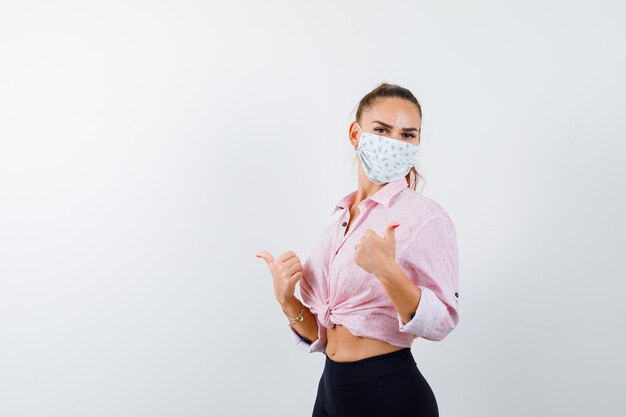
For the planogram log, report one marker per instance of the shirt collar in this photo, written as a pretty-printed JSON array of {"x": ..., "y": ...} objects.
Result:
[{"x": 382, "y": 196}]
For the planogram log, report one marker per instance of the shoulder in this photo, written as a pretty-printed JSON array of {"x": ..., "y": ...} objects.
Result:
[
  {"x": 432, "y": 232},
  {"x": 424, "y": 209},
  {"x": 419, "y": 215}
]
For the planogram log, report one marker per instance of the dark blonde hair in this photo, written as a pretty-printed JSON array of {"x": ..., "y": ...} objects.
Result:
[{"x": 385, "y": 90}]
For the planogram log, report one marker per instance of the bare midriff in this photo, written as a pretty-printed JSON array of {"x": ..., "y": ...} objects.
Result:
[{"x": 343, "y": 346}]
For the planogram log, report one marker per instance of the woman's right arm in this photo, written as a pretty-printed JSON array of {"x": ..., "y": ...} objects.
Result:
[{"x": 287, "y": 271}]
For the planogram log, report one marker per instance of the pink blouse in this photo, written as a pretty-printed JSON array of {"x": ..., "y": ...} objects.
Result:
[{"x": 338, "y": 291}]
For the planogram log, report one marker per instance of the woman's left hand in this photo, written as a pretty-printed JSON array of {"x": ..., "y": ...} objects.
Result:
[{"x": 377, "y": 254}]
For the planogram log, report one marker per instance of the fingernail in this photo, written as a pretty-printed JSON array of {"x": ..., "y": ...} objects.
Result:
[{"x": 396, "y": 225}]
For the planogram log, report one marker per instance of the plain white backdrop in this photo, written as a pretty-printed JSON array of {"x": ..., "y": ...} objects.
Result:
[{"x": 148, "y": 150}]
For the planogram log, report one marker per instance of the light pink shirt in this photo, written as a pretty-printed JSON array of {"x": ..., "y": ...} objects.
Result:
[{"x": 338, "y": 291}]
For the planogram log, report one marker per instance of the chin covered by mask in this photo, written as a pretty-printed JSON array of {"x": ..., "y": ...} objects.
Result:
[{"x": 385, "y": 159}]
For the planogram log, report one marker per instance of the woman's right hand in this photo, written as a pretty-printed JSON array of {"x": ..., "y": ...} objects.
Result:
[{"x": 286, "y": 271}]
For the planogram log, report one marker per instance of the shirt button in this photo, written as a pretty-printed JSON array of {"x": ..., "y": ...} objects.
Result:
[
  {"x": 456, "y": 294},
  {"x": 344, "y": 224}
]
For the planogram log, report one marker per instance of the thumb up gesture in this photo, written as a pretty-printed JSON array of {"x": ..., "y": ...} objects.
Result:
[
  {"x": 376, "y": 254},
  {"x": 286, "y": 271}
]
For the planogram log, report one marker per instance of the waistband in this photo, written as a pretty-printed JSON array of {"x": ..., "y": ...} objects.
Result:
[{"x": 368, "y": 368}]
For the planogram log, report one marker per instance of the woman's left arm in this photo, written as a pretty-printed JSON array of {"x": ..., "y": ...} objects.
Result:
[{"x": 423, "y": 284}]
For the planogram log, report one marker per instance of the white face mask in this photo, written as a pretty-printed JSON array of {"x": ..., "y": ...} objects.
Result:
[{"x": 385, "y": 159}]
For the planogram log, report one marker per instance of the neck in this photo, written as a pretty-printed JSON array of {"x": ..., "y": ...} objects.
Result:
[{"x": 366, "y": 188}]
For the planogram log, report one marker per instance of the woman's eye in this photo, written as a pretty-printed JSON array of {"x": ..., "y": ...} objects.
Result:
[
  {"x": 383, "y": 130},
  {"x": 408, "y": 136}
]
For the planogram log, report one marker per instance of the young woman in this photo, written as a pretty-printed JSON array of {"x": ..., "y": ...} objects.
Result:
[{"x": 370, "y": 288}]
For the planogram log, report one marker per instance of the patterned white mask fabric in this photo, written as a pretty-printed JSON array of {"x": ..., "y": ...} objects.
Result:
[{"x": 385, "y": 159}]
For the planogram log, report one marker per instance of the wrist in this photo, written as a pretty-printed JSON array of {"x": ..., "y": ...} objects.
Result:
[
  {"x": 286, "y": 299},
  {"x": 389, "y": 272},
  {"x": 290, "y": 305}
]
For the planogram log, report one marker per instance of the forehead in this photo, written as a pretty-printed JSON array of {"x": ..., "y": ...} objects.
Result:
[{"x": 395, "y": 111}]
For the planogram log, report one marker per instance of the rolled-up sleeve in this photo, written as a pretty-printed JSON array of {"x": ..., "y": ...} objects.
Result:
[{"x": 431, "y": 262}]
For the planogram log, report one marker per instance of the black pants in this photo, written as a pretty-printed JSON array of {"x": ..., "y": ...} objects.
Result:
[{"x": 387, "y": 385}]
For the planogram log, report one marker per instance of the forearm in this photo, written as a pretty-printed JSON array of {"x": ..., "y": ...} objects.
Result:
[
  {"x": 403, "y": 293},
  {"x": 306, "y": 328}
]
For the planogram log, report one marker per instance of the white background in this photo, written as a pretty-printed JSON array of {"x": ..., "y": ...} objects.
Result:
[{"x": 149, "y": 149}]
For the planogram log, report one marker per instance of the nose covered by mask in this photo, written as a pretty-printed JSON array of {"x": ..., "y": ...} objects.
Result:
[{"x": 385, "y": 159}]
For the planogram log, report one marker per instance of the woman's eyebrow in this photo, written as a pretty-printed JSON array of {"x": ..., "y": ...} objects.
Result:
[{"x": 388, "y": 126}]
